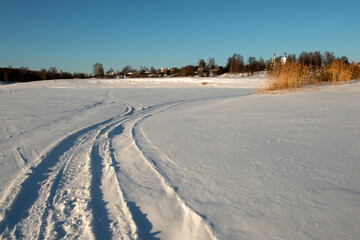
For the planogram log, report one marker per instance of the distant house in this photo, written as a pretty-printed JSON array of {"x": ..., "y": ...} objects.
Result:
[
  {"x": 203, "y": 72},
  {"x": 130, "y": 74},
  {"x": 152, "y": 75},
  {"x": 164, "y": 70},
  {"x": 216, "y": 71},
  {"x": 110, "y": 73}
]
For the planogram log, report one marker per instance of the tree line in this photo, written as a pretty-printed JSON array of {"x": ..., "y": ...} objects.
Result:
[
  {"x": 234, "y": 65},
  {"x": 23, "y": 74},
  {"x": 316, "y": 59}
]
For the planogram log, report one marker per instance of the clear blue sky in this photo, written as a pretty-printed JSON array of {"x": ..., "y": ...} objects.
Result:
[{"x": 73, "y": 35}]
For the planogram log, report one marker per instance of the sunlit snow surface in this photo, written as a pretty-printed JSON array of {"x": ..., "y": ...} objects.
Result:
[{"x": 181, "y": 158}]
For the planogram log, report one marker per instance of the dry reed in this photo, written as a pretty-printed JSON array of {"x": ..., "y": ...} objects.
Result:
[{"x": 292, "y": 76}]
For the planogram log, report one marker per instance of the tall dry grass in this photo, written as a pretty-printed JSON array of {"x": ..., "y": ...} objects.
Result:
[
  {"x": 292, "y": 76},
  {"x": 341, "y": 72},
  {"x": 289, "y": 76}
]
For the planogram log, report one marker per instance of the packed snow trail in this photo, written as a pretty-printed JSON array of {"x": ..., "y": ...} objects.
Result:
[
  {"x": 147, "y": 190},
  {"x": 97, "y": 183},
  {"x": 55, "y": 197}
]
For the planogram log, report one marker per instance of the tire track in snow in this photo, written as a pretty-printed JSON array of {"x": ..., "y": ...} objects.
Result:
[
  {"x": 193, "y": 224},
  {"x": 92, "y": 196},
  {"x": 47, "y": 203},
  {"x": 159, "y": 204},
  {"x": 58, "y": 199},
  {"x": 47, "y": 217},
  {"x": 29, "y": 192},
  {"x": 101, "y": 222},
  {"x": 131, "y": 165},
  {"x": 35, "y": 197},
  {"x": 123, "y": 218}
]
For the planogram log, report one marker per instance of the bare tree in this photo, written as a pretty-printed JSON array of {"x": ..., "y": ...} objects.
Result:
[
  {"x": 52, "y": 73},
  {"x": 310, "y": 57},
  {"x": 328, "y": 58},
  {"x": 252, "y": 64},
  {"x": 43, "y": 73},
  {"x": 236, "y": 64},
  {"x": 210, "y": 63},
  {"x": 143, "y": 69},
  {"x": 303, "y": 58},
  {"x": 126, "y": 69},
  {"x": 317, "y": 59},
  {"x": 292, "y": 58},
  {"x": 261, "y": 63},
  {"x": 153, "y": 70},
  {"x": 201, "y": 63},
  {"x": 98, "y": 70},
  {"x": 345, "y": 60}
]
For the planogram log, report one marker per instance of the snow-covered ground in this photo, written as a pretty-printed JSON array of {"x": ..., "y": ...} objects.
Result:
[{"x": 181, "y": 158}]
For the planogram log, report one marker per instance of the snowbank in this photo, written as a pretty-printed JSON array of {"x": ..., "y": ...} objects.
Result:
[{"x": 177, "y": 82}]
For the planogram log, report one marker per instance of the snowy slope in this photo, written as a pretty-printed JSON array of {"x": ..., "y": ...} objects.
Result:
[
  {"x": 178, "y": 159},
  {"x": 259, "y": 167}
]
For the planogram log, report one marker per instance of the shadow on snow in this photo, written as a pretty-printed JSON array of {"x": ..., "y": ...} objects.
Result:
[
  {"x": 101, "y": 222},
  {"x": 143, "y": 225}
]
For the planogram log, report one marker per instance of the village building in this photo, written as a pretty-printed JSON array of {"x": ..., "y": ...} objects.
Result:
[
  {"x": 273, "y": 60},
  {"x": 203, "y": 72},
  {"x": 110, "y": 73},
  {"x": 282, "y": 59}
]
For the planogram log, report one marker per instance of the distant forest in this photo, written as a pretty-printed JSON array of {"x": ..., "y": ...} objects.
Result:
[
  {"x": 235, "y": 64},
  {"x": 23, "y": 74}
]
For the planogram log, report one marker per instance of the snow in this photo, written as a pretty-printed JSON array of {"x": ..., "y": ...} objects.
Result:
[{"x": 178, "y": 158}]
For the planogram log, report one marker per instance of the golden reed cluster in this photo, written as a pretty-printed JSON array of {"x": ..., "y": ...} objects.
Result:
[{"x": 292, "y": 75}]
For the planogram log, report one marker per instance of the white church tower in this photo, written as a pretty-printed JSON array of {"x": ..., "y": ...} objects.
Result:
[
  {"x": 273, "y": 60},
  {"x": 284, "y": 58}
]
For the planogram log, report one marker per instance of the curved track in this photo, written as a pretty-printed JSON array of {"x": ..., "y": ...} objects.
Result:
[{"x": 98, "y": 183}]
